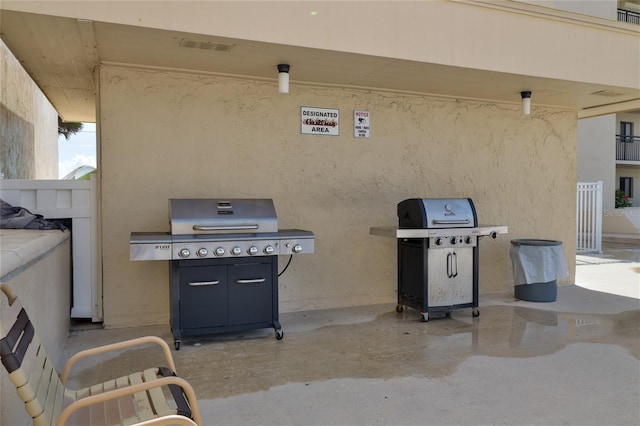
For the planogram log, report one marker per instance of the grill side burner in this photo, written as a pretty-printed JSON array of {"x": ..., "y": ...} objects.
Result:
[{"x": 224, "y": 263}]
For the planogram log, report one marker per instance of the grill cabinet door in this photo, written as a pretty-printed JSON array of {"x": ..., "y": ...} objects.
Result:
[
  {"x": 450, "y": 277},
  {"x": 250, "y": 293},
  {"x": 462, "y": 284},
  {"x": 203, "y": 296}
]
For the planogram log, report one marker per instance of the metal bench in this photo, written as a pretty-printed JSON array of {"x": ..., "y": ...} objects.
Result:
[{"x": 155, "y": 396}]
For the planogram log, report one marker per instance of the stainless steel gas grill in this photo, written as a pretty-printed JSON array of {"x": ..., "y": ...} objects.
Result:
[
  {"x": 438, "y": 254},
  {"x": 224, "y": 263}
]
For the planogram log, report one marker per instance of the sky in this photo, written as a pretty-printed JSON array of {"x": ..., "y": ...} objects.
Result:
[{"x": 79, "y": 150}]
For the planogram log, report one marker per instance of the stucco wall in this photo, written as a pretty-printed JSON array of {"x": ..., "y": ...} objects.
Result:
[
  {"x": 168, "y": 135},
  {"x": 597, "y": 155},
  {"x": 28, "y": 124}
]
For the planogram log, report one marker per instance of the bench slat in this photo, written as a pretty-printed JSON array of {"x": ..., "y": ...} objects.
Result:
[
  {"x": 21, "y": 376},
  {"x": 143, "y": 406},
  {"x": 158, "y": 399},
  {"x": 112, "y": 408},
  {"x": 126, "y": 405}
]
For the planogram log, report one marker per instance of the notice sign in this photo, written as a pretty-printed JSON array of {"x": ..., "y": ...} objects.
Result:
[
  {"x": 319, "y": 121},
  {"x": 361, "y": 124}
]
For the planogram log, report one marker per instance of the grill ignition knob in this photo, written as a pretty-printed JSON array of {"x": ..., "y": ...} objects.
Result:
[
  {"x": 236, "y": 251},
  {"x": 252, "y": 250},
  {"x": 297, "y": 248},
  {"x": 269, "y": 249},
  {"x": 219, "y": 252},
  {"x": 203, "y": 252},
  {"x": 184, "y": 253}
]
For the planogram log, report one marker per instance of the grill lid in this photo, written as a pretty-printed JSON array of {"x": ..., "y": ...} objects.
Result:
[
  {"x": 222, "y": 216},
  {"x": 437, "y": 213}
]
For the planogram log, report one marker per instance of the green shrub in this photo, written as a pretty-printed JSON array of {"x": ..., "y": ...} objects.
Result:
[{"x": 621, "y": 199}]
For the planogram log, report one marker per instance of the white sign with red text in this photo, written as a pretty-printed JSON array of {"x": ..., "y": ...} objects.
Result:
[{"x": 319, "y": 121}]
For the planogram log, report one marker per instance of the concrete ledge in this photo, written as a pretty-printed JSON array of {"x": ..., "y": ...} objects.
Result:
[
  {"x": 621, "y": 221},
  {"x": 21, "y": 247}
]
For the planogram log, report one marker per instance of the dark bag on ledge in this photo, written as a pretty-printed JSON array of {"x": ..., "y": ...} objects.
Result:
[{"x": 20, "y": 218}]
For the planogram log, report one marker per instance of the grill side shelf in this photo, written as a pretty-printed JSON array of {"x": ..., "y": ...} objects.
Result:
[{"x": 395, "y": 232}]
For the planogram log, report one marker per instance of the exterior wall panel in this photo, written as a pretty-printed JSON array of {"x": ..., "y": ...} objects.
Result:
[
  {"x": 168, "y": 135},
  {"x": 29, "y": 129}
]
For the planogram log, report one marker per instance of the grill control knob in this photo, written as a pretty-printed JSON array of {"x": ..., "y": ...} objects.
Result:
[
  {"x": 297, "y": 248},
  {"x": 438, "y": 241},
  {"x": 219, "y": 252},
  {"x": 467, "y": 240},
  {"x": 236, "y": 251},
  {"x": 269, "y": 249},
  {"x": 454, "y": 240},
  {"x": 252, "y": 250},
  {"x": 184, "y": 253},
  {"x": 203, "y": 252}
]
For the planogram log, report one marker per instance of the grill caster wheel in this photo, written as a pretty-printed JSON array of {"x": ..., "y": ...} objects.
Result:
[
  {"x": 176, "y": 344},
  {"x": 399, "y": 308},
  {"x": 279, "y": 334},
  {"x": 475, "y": 312},
  {"x": 425, "y": 316}
]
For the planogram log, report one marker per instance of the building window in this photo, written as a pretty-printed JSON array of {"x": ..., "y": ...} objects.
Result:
[
  {"x": 626, "y": 131},
  {"x": 626, "y": 186}
]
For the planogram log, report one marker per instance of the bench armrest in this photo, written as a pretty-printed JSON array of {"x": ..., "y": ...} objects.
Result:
[{"x": 118, "y": 346}]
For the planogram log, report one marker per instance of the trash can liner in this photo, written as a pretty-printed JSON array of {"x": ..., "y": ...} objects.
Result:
[{"x": 537, "y": 262}]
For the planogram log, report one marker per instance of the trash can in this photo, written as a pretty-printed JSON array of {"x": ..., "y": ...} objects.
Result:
[{"x": 537, "y": 265}]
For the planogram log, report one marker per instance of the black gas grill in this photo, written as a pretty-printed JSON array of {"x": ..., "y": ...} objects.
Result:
[
  {"x": 438, "y": 254},
  {"x": 224, "y": 263}
]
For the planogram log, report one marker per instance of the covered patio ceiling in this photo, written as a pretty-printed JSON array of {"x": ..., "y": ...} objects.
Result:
[{"x": 60, "y": 54}]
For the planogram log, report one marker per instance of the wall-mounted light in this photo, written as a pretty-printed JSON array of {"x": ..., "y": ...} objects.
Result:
[
  {"x": 526, "y": 102},
  {"x": 283, "y": 78}
]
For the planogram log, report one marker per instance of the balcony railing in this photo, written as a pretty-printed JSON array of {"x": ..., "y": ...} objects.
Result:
[
  {"x": 627, "y": 148},
  {"x": 628, "y": 16}
]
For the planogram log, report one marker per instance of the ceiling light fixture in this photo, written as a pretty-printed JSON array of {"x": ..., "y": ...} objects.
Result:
[
  {"x": 526, "y": 102},
  {"x": 283, "y": 78}
]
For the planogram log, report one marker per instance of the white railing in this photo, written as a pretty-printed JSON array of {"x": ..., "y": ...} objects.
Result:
[
  {"x": 75, "y": 200},
  {"x": 589, "y": 217}
]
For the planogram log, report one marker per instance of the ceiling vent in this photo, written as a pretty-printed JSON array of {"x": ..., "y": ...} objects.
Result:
[
  {"x": 608, "y": 93},
  {"x": 204, "y": 45}
]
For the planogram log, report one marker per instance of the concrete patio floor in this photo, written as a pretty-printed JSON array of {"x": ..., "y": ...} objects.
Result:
[{"x": 570, "y": 362}]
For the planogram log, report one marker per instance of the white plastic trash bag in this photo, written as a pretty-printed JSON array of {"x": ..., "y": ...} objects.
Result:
[{"x": 537, "y": 261}]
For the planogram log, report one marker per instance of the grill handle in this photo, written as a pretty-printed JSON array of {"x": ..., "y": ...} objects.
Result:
[
  {"x": 223, "y": 228},
  {"x": 452, "y": 265},
  {"x": 451, "y": 222},
  {"x": 203, "y": 283},
  {"x": 251, "y": 281}
]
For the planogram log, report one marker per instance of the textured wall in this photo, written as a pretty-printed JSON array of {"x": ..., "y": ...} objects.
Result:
[
  {"x": 28, "y": 124},
  {"x": 597, "y": 155},
  {"x": 167, "y": 135}
]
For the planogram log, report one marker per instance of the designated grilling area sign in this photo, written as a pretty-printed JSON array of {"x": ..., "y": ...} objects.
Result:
[{"x": 319, "y": 121}]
